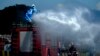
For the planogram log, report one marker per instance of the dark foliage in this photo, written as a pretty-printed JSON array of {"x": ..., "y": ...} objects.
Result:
[{"x": 9, "y": 15}]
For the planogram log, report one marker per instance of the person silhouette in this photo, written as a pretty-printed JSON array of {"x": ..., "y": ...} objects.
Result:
[
  {"x": 30, "y": 12},
  {"x": 72, "y": 51}
]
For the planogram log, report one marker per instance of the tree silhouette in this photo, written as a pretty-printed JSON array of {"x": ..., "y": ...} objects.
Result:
[{"x": 11, "y": 14}]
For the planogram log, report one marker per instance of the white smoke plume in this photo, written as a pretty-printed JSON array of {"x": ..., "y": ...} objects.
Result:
[{"x": 68, "y": 26}]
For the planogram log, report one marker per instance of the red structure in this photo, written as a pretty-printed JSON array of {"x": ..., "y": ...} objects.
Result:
[
  {"x": 48, "y": 50},
  {"x": 16, "y": 41},
  {"x": 18, "y": 32},
  {"x": 1, "y": 45}
]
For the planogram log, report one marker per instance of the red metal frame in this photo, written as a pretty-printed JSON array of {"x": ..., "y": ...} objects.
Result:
[
  {"x": 22, "y": 29},
  {"x": 36, "y": 38}
]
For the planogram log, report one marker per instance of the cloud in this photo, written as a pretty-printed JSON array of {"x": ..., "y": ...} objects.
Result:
[{"x": 68, "y": 26}]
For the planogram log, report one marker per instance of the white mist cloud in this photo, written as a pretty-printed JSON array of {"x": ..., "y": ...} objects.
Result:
[{"x": 68, "y": 26}]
